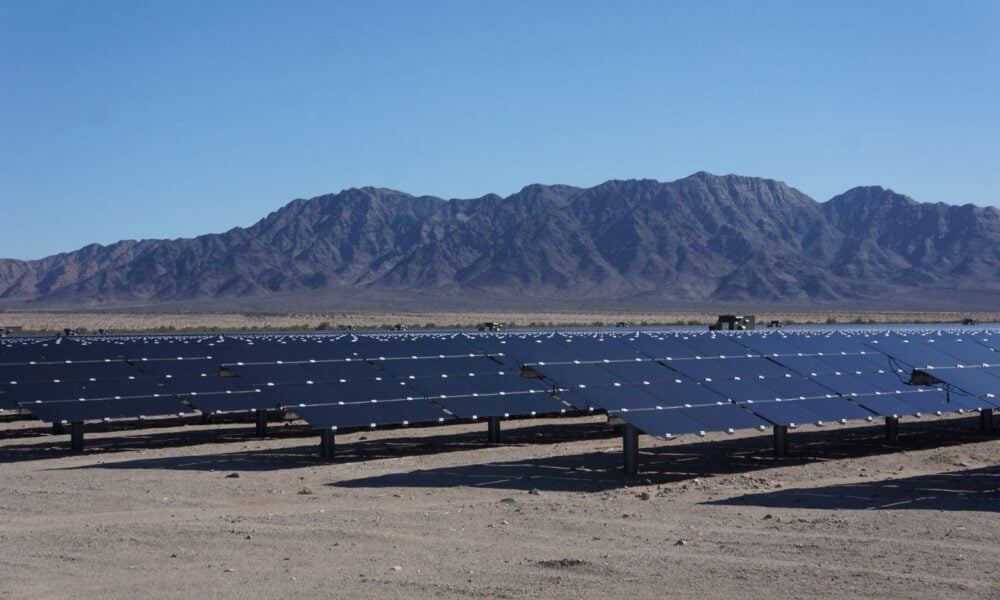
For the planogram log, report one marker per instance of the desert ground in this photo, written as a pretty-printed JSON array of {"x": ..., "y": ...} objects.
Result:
[
  {"x": 124, "y": 322},
  {"x": 210, "y": 511}
]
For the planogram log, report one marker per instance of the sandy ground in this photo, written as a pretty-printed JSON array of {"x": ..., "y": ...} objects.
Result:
[
  {"x": 209, "y": 511},
  {"x": 130, "y": 322}
]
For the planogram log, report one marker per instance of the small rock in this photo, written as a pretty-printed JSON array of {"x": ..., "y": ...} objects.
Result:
[
  {"x": 681, "y": 543},
  {"x": 305, "y": 491},
  {"x": 229, "y": 571},
  {"x": 397, "y": 568},
  {"x": 535, "y": 492},
  {"x": 233, "y": 476},
  {"x": 768, "y": 516},
  {"x": 644, "y": 496},
  {"x": 506, "y": 501}
]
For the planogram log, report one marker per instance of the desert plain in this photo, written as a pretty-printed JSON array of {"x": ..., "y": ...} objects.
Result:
[
  {"x": 185, "y": 509},
  {"x": 211, "y": 511}
]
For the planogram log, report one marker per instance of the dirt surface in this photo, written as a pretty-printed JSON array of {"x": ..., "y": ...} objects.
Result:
[
  {"x": 123, "y": 322},
  {"x": 209, "y": 511}
]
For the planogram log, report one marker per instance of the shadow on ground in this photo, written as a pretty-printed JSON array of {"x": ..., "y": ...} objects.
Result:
[
  {"x": 588, "y": 471},
  {"x": 969, "y": 490},
  {"x": 360, "y": 449},
  {"x": 676, "y": 462}
]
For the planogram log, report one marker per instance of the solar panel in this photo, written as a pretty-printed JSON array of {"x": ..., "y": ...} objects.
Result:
[
  {"x": 352, "y": 415},
  {"x": 123, "y": 407}
]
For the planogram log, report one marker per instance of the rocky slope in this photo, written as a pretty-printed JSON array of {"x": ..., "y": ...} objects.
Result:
[{"x": 703, "y": 238}]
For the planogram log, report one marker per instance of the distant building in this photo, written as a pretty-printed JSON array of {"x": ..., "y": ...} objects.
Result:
[{"x": 734, "y": 322}]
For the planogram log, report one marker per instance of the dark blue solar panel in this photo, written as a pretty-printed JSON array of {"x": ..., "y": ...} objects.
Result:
[
  {"x": 601, "y": 348},
  {"x": 237, "y": 400},
  {"x": 715, "y": 345},
  {"x": 640, "y": 371},
  {"x": 665, "y": 423},
  {"x": 139, "y": 386},
  {"x": 682, "y": 392},
  {"x": 978, "y": 381},
  {"x": 920, "y": 401},
  {"x": 337, "y": 416},
  {"x": 787, "y": 413},
  {"x": 857, "y": 362},
  {"x": 45, "y": 391},
  {"x": 610, "y": 398},
  {"x": 28, "y": 373},
  {"x": 417, "y": 367},
  {"x": 348, "y": 370},
  {"x": 386, "y": 389},
  {"x": 832, "y": 409},
  {"x": 208, "y": 382},
  {"x": 755, "y": 366},
  {"x": 655, "y": 346},
  {"x": 447, "y": 346},
  {"x": 795, "y": 387},
  {"x": 573, "y": 375},
  {"x": 178, "y": 366},
  {"x": 741, "y": 390},
  {"x": 506, "y": 405},
  {"x": 508, "y": 382},
  {"x": 263, "y": 373},
  {"x": 453, "y": 385},
  {"x": 703, "y": 369},
  {"x": 534, "y": 350},
  {"x": 725, "y": 417},
  {"x": 913, "y": 352},
  {"x": 806, "y": 364},
  {"x": 123, "y": 408},
  {"x": 767, "y": 344},
  {"x": 965, "y": 351}
]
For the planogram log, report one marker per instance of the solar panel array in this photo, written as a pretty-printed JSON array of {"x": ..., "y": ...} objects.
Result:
[{"x": 663, "y": 383}]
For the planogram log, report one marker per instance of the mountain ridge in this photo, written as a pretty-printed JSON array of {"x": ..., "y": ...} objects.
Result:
[{"x": 702, "y": 238}]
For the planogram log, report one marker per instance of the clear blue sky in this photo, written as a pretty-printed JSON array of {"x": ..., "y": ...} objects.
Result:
[{"x": 138, "y": 119}]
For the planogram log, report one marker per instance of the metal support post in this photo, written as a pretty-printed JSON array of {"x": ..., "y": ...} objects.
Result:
[
  {"x": 891, "y": 429},
  {"x": 986, "y": 420},
  {"x": 493, "y": 431},
  {"x": 327, "y": 444},
  {"x": 76, "y": 436},
  {"x": 630, "y": 450},
  {"x": 780, "y": 441},
  {"x": 261, "y": 423}
]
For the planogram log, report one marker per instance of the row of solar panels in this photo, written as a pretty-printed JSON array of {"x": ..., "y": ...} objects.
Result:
[{"x": 665, "y": 384}]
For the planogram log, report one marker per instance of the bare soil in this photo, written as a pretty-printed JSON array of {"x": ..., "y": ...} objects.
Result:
[
  {"x": 209, "y": 511},
  {"x": 138, "y": 322}
]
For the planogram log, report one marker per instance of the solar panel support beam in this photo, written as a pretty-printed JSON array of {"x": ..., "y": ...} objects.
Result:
[
  {"x": 986, "y": 420},
  {"x": 630, "y": 450},
  {"x": 891, "y": 429},
  {"x": 327, "y": 443},
  {"x": 493, "y": 430},
  {"x": 76, "y": 436},
  {"x": 780, "y": 441},
  {"x": 261, "y": 423}
]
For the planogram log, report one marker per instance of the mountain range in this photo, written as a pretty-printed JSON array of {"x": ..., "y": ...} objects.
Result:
[{"x": 701, "y": 240}]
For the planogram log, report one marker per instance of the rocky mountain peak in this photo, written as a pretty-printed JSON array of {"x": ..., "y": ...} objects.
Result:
[{"x": 703, "y": 238}]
